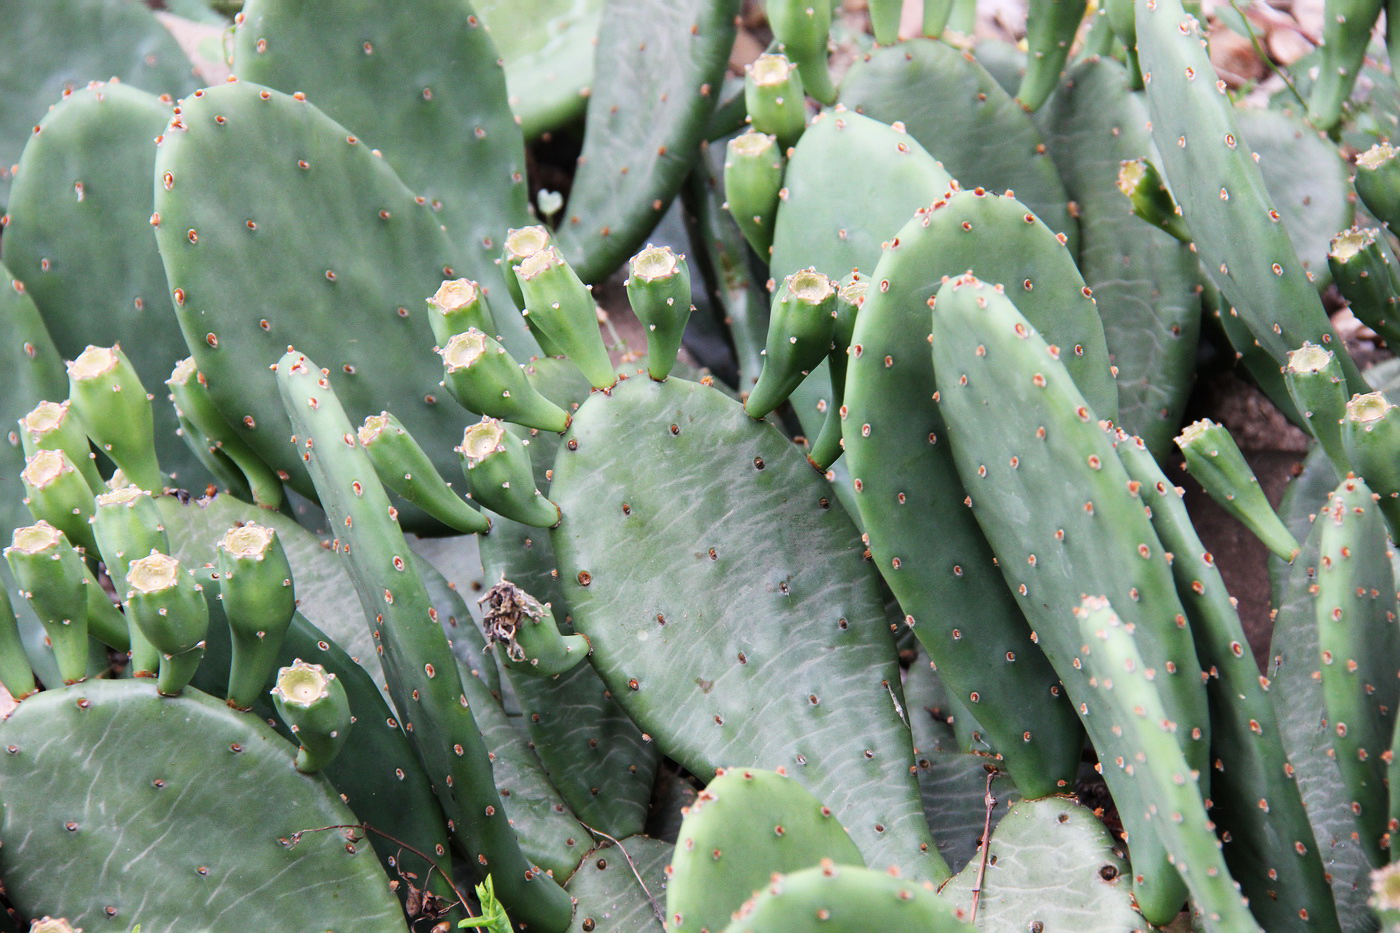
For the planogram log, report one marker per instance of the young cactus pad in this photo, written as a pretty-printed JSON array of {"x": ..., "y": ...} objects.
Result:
[{"x": 746, "y": 826}]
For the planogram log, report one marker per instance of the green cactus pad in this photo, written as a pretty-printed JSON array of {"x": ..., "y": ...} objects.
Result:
[
  {"x": 1357, "y": 642},
  {"x": 595, "y": 755},
  {"x": 614, "y": 898},
  {"x": 79, "y": 235},
  {"x": 1239, "y": 233},
  {"x": 1307, "y": 179},
  {"x": 844, "y": 899},
  {"x": 956, "y": 109},
  {"x": 204, "y": 768},
  {"x": 395, "y": 604},
  {"x": 1144, "y": 281},
  {"x": 1050, "y": 29},
  {"x": 1256, "y": 805},
  {"x": 548, "y": 50},
  {"x": 746, "y": 826},
  {"x": 1297, "y": 694},
  {"x": 674, "y": 475},
  {"x": 906, "y": 480},
  {"x": 641, "y": 137},
  {"x": 338, "y": 256},
  {"x": 1087, "y": 532},
  {"x": 1050, "y": 862},
  {"x": 422, "y": 83},
  {"x": 68, "y": 43},
  {"x": 1124, "y": 692}
]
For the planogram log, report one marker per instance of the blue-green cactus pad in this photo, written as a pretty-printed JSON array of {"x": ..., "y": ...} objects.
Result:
[
  {"x": 730, "y": 607},
  {"x": 279, "y": 225},
  {"x": 152, "y": 823}
]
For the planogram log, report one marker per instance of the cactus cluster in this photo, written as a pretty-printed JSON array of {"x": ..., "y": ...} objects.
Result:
[{"x": 421, "y": 601}]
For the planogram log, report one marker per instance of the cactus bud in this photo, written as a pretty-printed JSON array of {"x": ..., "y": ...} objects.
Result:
[
  {"x": 499, "y": 473},
  {"x": 1216, "y": 462},
  {"x": 404, "y": 467},
  {"x": 457, "y": 305},
  {"x": 169, "y": 607},
  {"x": 774, "y": 94},
  {"x": 205, "y": 427},
  {"x": 259, "y": 601},
  {"x": 1140, "y": 181},
  {"x": 527, "y": 633},
  {"x": 116, "y": 412},
  {"x": 1317, "y": 386},
  {"x": 1378, "y": 183},
  {"x": 561, "y": 311},
  {"x": 313, "y": 705},
  {"x": 521, "y": 244},
  {"x": 800, "y": 330},
  {"x": 1366, "y": 275},
  {"x": 1371, "y": 435},
  {"x": 753, "y": 178},
  {"x": 56, "y": 493},
  {"x": 658, "y": 288},
  {"x": 53, "y": 426},
  {"x": 486, "y": 380},
  {"x": 51, "y": 575}
]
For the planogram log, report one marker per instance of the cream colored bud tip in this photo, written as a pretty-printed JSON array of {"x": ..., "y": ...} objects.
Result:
[
  {"x": 35, "y": 538},
  {"x": 810, "y": 286},
  {"x": 250, "y": 540},
  {"x": 752, "y": 143},
  {"x": 54, "y": 925},
  {"x": 183, "y": 372},
  {"x": 1193, "y": 431},
  {"x": 373, "y": 427},
  {"x": 93, "y": 362},
  {"x": 770, "y": 70},
  {"x": 463, "y": 349},
  {"x": 1376, "y": 156},
  {"x": 482, "y": 439},
  {"x": 537, "y": 262},
  {"x": 153, "y": 573},
  {"x": 45, "y": 467},
  {"x": 303, "y": 684},
  {"x": 44, "y": 417},
  {"x": 655, "y": 262},
  {"x": 124, "y": 495},
  {"x": 1385, "y": 887},
  {"x": 455, "y": 294},
  {"x": 1373, "y": 406},
  {"x": 527, "y": 241},
  {"x": 1130, "y": 174},
  {"x": 1309, "y": 358},
  {"x": 1347, "y": 244}
]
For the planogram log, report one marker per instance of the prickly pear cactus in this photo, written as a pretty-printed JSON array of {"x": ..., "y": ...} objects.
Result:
[
  {"x": 635, "y": 158},
  {"x": 68, "y": 43},
  {"x": 1086, "y": 885},
  {"x": 79, "y": 235},
  {"x": 1144, "y": 281},
  {"x": 954, "y": 107},
  {"x": 765, "y": 581},
  {"x": 277, "y": 224},
  {"x": 204, "y": 768},
  {"x": 36, "y": 372},
  {"x": 414, "y": 81}
]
